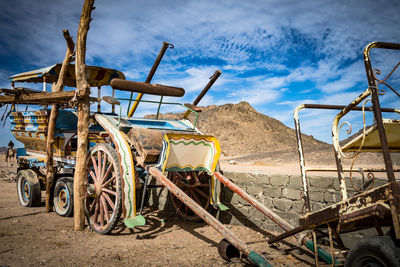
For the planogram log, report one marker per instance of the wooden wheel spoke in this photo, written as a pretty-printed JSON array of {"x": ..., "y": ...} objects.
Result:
[
  {"x": 179, "y": 205},
  {"x": 201, "y": 193},
  {"x": 92, "y": 206},
  {"x": 95, "y": 167},
  {"x": 93, "y": 175},
  {"x": 196, "y": 198},
  {"x": 110, "y": 167},
  {"x": 182, "y": 177},
  {"x": 109, "y": 191},
  {"x": 99, "y": 162},
  {"x": 104, "y": 164},
  {"x": 108, "y": 181},
  {"x": 105, "y": 208},
  {"x": 96, "y": 212},
  {"x": 193, "y": 184},
  {"x": 196, "y": 178},
  {"x": 109, "y": 201},
  {"x": 101, "y": 213}
]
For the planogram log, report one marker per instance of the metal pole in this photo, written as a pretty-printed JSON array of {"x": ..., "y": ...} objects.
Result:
[
  {"x": 150, "y": 76},
  {"x": 376, "y": 106},
  {"x": 204, "y": 91},
  {"x": 159, "y": 106},
  {"x": 301, "y": 156}
]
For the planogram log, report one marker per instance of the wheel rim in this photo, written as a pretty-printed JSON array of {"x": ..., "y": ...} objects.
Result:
[
  {"x": 369, "y": 261},
  {"x": 26, "y": 190},
  {"x": 102, "y": 190},
  {"x": 63, "y": 198},
  {"x": 197, "y": 186}
]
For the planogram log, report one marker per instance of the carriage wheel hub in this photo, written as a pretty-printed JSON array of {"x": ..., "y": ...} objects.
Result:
[
  {"x": 90, "y": 189},
  {"x": 97, "y": 188}
]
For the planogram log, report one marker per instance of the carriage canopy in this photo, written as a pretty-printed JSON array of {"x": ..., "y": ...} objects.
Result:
[{"x": 96, "y": 76}]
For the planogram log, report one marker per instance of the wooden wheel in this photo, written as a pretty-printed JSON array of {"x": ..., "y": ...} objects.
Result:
[
  {"x": 103, "y": 201},
  {"x": 196, "y": 185}
]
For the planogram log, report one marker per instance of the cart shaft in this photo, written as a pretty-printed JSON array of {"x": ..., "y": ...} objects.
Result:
[{"x": 207, "y": 217}]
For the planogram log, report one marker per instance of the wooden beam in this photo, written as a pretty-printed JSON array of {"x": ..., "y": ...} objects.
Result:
[
  {"x": 58, "y": 87},
  {"x": 18, "y": 90},
  {"x": 83, "y": 88},
  {"x": 41, "y": 98}
]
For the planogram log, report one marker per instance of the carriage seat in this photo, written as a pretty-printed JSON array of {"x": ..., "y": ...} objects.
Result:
[{"x": 372, "y": 142}]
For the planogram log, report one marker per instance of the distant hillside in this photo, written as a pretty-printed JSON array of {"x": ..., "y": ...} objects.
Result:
[
  {"x": 242, "y": 130},
  {"x": 249, "y": 136},
  {"x": 246, "y": 134}
]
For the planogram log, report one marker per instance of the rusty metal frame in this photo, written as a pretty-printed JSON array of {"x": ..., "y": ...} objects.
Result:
[
  {"x": 381, "y": 204},
  {"x": 303, "y": 167}
]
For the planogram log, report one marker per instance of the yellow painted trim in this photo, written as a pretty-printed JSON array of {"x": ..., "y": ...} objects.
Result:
[
  {"x": 212, "y": 190},
  {"x": 166, "y": 153},
  {"x": 210, "y": 138},
  {"x": 135, "y": 105},
  {"x": 132, "y": 174}
]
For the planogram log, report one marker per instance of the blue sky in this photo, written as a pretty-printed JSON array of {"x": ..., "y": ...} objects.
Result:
[{"x": 273, "y": 54}]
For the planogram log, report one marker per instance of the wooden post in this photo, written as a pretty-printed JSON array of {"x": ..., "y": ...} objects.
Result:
[
  {"x": 99, "y": 98},
  {"x": 83, "y": 88},
  {"x": 58, "y": 87}
]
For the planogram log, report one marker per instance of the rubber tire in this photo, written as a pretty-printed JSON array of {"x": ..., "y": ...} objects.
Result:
[
  {"x": 66, "y": 184},
  {"x": 227, "y": 251},
  {"x": 117, "y": 214},
  {"x": 27, "y": 179},
  {"x": 378, "y": 249}
]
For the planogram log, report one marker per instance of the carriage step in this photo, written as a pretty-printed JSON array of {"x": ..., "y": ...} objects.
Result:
[
  {"x": 135, "y": 221},
  {"x": 222, "y": 207}
]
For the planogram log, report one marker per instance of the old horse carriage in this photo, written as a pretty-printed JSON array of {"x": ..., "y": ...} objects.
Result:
[
  {"x": 124, "y": 151},
  {"x": 121, "y": 150}
]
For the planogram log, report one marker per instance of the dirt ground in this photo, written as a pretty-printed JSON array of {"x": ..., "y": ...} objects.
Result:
[{"x": 32, "y": 237}]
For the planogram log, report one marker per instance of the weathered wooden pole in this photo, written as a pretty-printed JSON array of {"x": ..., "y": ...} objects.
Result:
[
  {"x": 83, "y": 88},
  {"x": 58, "y": 87}
]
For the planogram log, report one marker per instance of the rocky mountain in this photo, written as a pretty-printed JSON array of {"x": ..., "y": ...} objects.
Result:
[{"x": 248, "y": 135}]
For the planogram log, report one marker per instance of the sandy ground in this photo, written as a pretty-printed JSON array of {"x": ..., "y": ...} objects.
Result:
[{"x": 31, "y": 237}]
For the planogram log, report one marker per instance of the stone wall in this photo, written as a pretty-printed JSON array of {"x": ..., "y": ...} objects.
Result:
[{"x": 280, "y": 193}]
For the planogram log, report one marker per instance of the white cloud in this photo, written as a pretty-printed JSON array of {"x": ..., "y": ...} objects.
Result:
[
  {"x": 193, "y": 80},
  {"x": 263, "y": 47}
]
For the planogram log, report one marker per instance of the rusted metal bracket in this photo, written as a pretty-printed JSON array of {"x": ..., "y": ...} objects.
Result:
[{"x": 204, "y": 91}]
